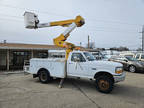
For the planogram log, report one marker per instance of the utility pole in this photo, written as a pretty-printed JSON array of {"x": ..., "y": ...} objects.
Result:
[
  {"x": 80, "y": 44},
  {"x": 88, "y": 42},
  {"x": 142, "y": 38}
]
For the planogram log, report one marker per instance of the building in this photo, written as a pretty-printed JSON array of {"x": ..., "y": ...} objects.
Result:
[{"x": 13, "y": 55}]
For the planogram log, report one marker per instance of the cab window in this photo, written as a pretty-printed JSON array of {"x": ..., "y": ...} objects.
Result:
[
  {"x": 77, "y": 57},
  {"x": 142, "y": 56},
  {"x": 137, "y": 56}
]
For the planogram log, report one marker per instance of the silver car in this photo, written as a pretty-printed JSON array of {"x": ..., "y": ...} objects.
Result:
[{"x": 130, "y": 63}]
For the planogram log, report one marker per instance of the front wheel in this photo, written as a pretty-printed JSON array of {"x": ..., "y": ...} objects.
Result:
[
  {"x": 44, "y": 76},
  {"x": 132, "y": 68},
  {"x": 104, "y": 84}
]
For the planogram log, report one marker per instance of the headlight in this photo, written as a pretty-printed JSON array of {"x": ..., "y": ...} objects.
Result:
[{"x": 119, "y": 70}]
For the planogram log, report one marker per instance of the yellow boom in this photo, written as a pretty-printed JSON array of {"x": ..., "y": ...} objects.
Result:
[
  {"x": 60, "y": 40},
  {"x": 32, "y": 22}
]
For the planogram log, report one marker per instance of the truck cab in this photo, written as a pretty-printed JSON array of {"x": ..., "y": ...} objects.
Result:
[{"x": 84, "y": 64}]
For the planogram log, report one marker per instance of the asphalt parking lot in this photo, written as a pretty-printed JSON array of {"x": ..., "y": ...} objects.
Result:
[{"x": 22, "y": 91}]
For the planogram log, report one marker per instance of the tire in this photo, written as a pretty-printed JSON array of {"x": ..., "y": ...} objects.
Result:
[
  {"x": 104, "y": 84},
  {"x": 132, "y": 69},
  {"x": 44, "y": 76}
]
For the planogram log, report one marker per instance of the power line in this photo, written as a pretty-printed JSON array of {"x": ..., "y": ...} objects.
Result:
[
  {"x": 100, "y": 27},
  {"x": 11, "y": 16},
  {"x": 112, "y": 31},
  {"x": 55, "y": 14},
  {"x": 11, "y": 20},
  {"x": 108, "y": 21},
  {"x": 43, "y": 12},
  {"x": 88, "y": 27},
  {"x": 95, "y": 30}
]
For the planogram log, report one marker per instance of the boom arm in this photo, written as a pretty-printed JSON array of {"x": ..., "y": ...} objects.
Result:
[
  {"x": 60, "y": 40},
  {"x": 32, "y": 22}
]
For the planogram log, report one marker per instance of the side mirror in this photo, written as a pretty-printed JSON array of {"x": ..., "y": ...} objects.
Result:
[
  {"x": 126, "y": 60},
  {"x": 76, "y": 59},
  {"x": 88, "y": 57}
]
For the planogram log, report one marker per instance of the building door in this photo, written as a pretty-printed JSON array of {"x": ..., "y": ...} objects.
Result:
[
  {"x": 18, "y": 59},
  {"x": 3, "y": 60}
]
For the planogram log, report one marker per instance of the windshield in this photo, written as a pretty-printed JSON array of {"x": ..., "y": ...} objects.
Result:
[
  {"x": 131, "y": 58},
  {"x": 104, "y": 57},
  {"x": 89, "y": 56},
  {"x": 142, "y": 56}
]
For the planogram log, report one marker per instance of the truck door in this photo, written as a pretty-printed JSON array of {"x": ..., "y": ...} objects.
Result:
[{"x": 77, "y": 66}]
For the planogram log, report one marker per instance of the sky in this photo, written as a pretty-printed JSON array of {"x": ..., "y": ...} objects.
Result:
[{"x": 109, "y": 23}]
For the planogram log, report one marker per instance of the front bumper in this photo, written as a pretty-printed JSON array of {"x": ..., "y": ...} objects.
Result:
[
  {"x": 140, "y": 69},
  {"x": 26, "y": 69},
  {"x": 118, "y": 78}
]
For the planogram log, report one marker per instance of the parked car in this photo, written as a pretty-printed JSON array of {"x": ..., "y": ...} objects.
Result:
[
  {"x": 129, "y": 63},
  {"x": 109, "y": 54},
  {"x": 140, "y": 56},
  {"x": 97, "y": 54},
  {"x": 130, "y": 54}
]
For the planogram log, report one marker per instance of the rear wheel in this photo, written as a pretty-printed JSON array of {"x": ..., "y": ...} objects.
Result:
[
  {"x": 44, "y": 76},
  {"x": 104, "y": 84},
  {"x": 132, "y": 68}
]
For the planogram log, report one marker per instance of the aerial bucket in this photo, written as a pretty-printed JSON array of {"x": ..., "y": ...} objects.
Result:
[{"x": 30, "y": 20}]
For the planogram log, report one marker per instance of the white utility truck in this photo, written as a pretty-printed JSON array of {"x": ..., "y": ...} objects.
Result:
[
  {"x": 79, "y": 64},
  {"x": 76, "y": 63}
]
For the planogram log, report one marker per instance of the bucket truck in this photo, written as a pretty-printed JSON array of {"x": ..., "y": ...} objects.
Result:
[{"x": 79, "y": 64}]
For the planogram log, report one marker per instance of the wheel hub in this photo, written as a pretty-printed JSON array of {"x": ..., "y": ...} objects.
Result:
[
  {"x": 43, "y": 76},
  {"x": 132, "y": 69},
  {"x": 104, "y": 85}
]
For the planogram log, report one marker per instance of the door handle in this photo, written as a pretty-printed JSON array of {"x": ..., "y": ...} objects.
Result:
[
  {"x": 93, "y": 68},
  {"x": 70, "y": 63}
]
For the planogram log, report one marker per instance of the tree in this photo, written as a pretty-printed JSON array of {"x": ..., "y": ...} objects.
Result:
[
  {"x": 139, "y": 49},
  {"x": 121, "y": 48},
  {"x": 113, "y": 48}
]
